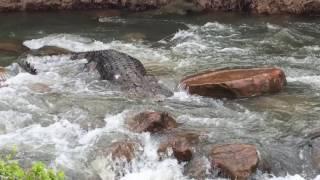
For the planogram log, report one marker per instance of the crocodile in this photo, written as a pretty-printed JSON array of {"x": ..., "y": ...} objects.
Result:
[
  {"x": 125, "y": 71},
  {"x": 119, "y": 68}
]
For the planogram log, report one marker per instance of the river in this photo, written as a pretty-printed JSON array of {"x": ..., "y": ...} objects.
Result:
[{"x": 79, "y": 115}]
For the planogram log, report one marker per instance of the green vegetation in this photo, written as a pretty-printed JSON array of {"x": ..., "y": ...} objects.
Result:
[{"x": 11, "y": 170}]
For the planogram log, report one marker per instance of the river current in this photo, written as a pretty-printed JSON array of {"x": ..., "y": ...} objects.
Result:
[{"x": 77, "y": 115}]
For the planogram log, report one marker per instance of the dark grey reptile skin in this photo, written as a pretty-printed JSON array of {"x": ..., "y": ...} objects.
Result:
[
  {"x": 125, "y": 71},
  {"x": 120, "y": 69}
]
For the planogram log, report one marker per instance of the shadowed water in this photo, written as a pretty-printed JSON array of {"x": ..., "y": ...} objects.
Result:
[{"x": 67, "y": 123}]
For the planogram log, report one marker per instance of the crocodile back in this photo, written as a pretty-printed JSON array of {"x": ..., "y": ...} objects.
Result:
[{"x": 125, "y": 71}]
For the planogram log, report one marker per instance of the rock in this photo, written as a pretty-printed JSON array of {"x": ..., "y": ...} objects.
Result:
[
  {"x": 182, "y": 145},
  {"x": 225, "y": 5},
  {"x": 12, "y": 46},
  {"x": 198, "y": 168},
  {"x": 3, "y": 76},
  {"x": 280, "y": 159},
  {"x": 123, "y": 149},
  {"x": 170, "y": 6},
  {"x": 40, "y": 5},
  {"x": 237, "y": 161},
  {"x": 180, "y": 7},
  {"x": 235, "y": 83},
  {"x": 151, "y": 122},
  {"x": 286, "y": 6}
]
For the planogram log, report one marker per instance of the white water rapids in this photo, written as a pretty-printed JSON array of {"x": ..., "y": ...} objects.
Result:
[{"x": 73, "y": 115}]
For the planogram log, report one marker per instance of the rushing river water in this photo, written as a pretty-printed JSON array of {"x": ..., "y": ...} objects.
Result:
[{"x": 68, "y": 123}]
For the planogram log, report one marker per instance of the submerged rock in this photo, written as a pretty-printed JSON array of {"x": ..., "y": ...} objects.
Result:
[
  {"x": 39, "y": 87},
  {"x": 12, "y": 46},
  {"x": 123, "y": 149},
  {"x": 198, "y": 168},
  {"x": 182, "y": 145},
  {"x": 235, "y": 83},
  {"x": 237, "y": 161},
  {"x": 151, "y": 122}
]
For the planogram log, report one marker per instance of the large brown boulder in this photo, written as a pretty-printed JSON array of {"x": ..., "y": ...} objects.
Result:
[
  {"x": 151, "y": 122},
  {"x": 235, "y": 83},
  {"x": 237, "y": 161}
]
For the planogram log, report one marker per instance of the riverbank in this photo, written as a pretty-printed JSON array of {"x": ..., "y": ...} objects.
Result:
[{"x": 299, "y": 7}]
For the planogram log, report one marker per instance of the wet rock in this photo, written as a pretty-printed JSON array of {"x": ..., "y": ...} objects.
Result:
[
  {"x": 3, "y": 76},
  {"x": 235, "y": 83},
  {"x": 40, "y": 5},
  {"x": 181, "y": 7},
  {"x": 151, "y": 122},
  {"x": 225, "y": 5},
  {"x": 286, "y": 6},
  {"x": 170, "y": 6},
  {"x": 12, "y": 46},
  {"x": 182, "y": 145},
  {"x": 280, "y": 160},
  {"x": 237, "y": 161},
  {"x": 123, "y": 149},
  {"x": 198, "y": 168}
]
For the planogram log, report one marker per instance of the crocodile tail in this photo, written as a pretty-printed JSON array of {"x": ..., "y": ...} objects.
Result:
[{"x": 28, "y": 67}]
